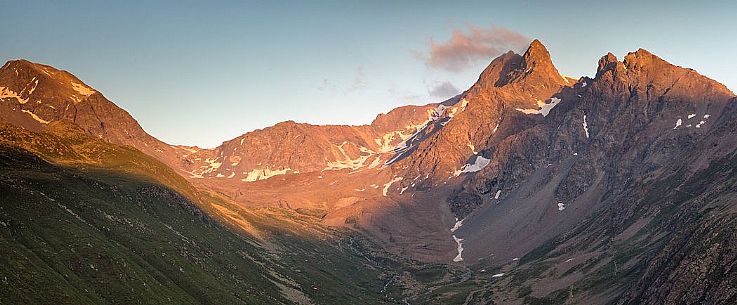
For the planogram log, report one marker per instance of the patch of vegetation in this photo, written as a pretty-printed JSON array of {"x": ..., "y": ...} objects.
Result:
[
  {"x": 430, "y": 274},
  {"x": 540, "y": 252},
  {"x": 556, "y": 297},
  {"x": 108, "y": 224},
  {"x": 524, "y": 291}
]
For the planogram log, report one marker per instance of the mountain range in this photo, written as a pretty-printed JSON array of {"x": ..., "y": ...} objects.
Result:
[{"x": 529, "y": 187}]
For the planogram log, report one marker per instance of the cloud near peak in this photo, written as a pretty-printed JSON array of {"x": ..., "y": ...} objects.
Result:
[
  {"x": 443, "y": 90},
  {"x": 463, "y": 49}
]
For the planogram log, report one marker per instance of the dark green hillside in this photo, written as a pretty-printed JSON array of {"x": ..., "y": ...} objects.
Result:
[
  {"x": 70, "y": 237},
  {"x": 104, "y": 225}
]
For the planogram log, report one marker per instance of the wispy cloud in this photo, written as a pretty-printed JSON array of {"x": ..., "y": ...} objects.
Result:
[
  {"x": 466, "y": 47},
  {"x": 405, "y": 96},
  {"x": 359, "y": 81},
  {"x": 443, "y": 90},
  {"x": 326, "y": 85}
]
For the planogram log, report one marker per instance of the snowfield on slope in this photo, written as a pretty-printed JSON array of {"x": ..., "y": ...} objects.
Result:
[
  {"x": 477, "y": 165},
  {"x": 544, "y": 108}
]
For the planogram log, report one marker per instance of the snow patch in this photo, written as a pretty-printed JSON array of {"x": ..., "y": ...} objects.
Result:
[
  {"x": 498, "y": 193},
  {"x": 543, "y": 108},
  {"x": 8, "y": 93},
  {"x": 263, "y": 174},
  {"x": 459, "y": 241},
  {"x": 389, "y": 184},
  {"x": 691, "y": 115},
  {"x": 347, "y": 162},
  {"x": 35, "y": 117},
  {"x": 699, "y": 124},
  {"x": 678, "y": 123},
  {"x": 497, "y": 275},
  {"x": 438, "y": 112},
  {"x": 473, "y": 148},
  {"x": 585, "y": 126},
  {"x": 457, "y": 225},
  {"x": 35, "y": 81},
  {"x": 82, "y": 89},
  {"x": 190, "y": 150},
  {"x": 376, "y": 163},
  {"x": 477, "y": 165},
  {"x": 212, "y": 165},
  {"x": 561, "y": 206}
]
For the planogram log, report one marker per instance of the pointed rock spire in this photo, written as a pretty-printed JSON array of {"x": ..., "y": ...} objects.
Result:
[
  {"x": 535, "y": 66},
  {"x": 606, "y": 63},
  {"x": 537, "y": 55},
  {"x": 537, "y": 60}
]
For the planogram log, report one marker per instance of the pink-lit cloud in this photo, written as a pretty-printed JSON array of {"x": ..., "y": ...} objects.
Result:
[{"x": 466, "y": 47}]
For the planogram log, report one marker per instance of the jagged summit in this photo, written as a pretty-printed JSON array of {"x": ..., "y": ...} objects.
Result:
[
  {"x": 642, "y": 69},
  {"x": 532, "y": 74},
  {"x": 606, "y": 63},
  {"x": 509, "y": 68},
  {"x": 537, "y": 60}
]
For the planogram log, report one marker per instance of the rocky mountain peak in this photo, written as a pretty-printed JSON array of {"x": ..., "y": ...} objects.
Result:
[
  {"x": 644, "y": 60},
  {"x": 22, "y": 68},
  {"x": 537, "y": 57},
  {"x": 533, "y": 68},
  {"x": 17, "y": 63},
  {"x": 28, "y": 81},
  {"x": 536, "y": 60},
  {"x": 643, "y": 69},
  {"x": 606, "y": 63}
]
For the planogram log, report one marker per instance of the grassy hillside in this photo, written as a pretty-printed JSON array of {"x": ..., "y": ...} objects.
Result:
[
  {"x": 83, "y": 221},
  {"x": 73, "y": 237}
]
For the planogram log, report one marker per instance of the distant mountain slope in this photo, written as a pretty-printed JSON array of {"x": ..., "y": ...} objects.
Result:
[
  {"x": 108, "y": 224},
  {"x": 621, "y": 127},
  {"x": 35, "y": 95},
  {"x": 669, "y": 239},
  {"x": 529, "y": 187},
  {"x": 292, "y": 148}
]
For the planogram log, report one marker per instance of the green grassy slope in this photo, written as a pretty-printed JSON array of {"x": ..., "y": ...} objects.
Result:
[
  {"x": 86, "y": 222},
  {"x": 71, "y": 237}
]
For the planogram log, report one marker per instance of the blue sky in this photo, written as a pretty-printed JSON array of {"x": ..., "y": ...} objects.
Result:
[{"x": 199, "y": 73}]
